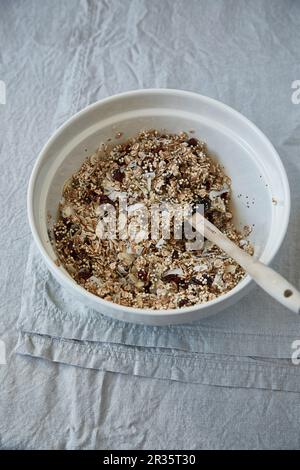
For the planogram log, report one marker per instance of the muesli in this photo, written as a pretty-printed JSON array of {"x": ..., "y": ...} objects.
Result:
[{"x": 143, "y": 272}]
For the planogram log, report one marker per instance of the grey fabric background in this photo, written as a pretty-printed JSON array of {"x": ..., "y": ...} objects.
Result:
[{"x": 232, "y": 382}]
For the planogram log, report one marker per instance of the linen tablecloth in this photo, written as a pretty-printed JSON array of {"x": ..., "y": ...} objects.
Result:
[{"x": 55, "y": 58}]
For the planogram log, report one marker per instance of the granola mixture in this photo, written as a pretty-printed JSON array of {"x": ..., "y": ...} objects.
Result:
[{"x": 157, "y": 274}]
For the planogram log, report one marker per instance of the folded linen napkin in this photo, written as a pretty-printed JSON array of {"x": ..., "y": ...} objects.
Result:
[{"x": 249, "y": 345}]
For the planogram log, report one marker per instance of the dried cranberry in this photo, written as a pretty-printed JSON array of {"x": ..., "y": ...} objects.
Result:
[
  {"x": 67, "y": 222},
  {"x": 180, "y": 283},
  {"x": 118, "y": 175},
  {"x": 205, "y": 201},
  {"x": 87, "y": 198},
  {"x": 157, "y": 149},
  {"x": 74, "y": 229},
  {"x": 192, "y": 142},
  {"x": 75, "y": 183},
  {"x": 147, "y": 287},
  {"x": 184, "y": 183},
  {"x": 104, "y": 199},
  {"x": 209, "y": 280},
  {"x": 85, "y": 273},
  {"x": 183, "y": 284},
  {"x": 168, "y": 178},
  {"x": 125, "y": 148},
  {"x": 120, "y": 160},
  {"x": 59, "y": 233},
  {"x": 210, "y": 217},
  {"x": 171, "y": 278},
  {"x": 74, "y": 255},
  {"x": 147, "y": 163},
  {"x": 75, "y": 252},
  {"x": 69, "y": 247},
  {"x": 182, "y": 302},
  {"x": 143, "y": 275},
  {"x": 195, "y": 281}
]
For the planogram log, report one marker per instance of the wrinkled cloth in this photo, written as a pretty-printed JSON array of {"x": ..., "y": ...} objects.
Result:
[
  {"x": 55, "y": 326},
  {"x": 232, "y": 384}
]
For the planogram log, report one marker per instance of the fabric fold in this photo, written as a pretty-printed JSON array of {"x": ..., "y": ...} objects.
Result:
[
  {"x": 166, "y": 364},
  {"x": 56, "y": 327}
]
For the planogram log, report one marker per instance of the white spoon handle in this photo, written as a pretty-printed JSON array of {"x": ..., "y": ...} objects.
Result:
[{"x": 268, "y": 279}]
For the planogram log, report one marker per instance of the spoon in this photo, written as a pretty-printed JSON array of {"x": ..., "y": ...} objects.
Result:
[{"x": 268, "y": 279}]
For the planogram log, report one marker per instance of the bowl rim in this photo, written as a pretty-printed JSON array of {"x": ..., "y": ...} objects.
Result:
[{"x": 64, "y": 279}]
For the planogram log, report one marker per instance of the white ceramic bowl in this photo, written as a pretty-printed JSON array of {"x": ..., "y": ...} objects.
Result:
[{"x": 247, "y": 155}]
